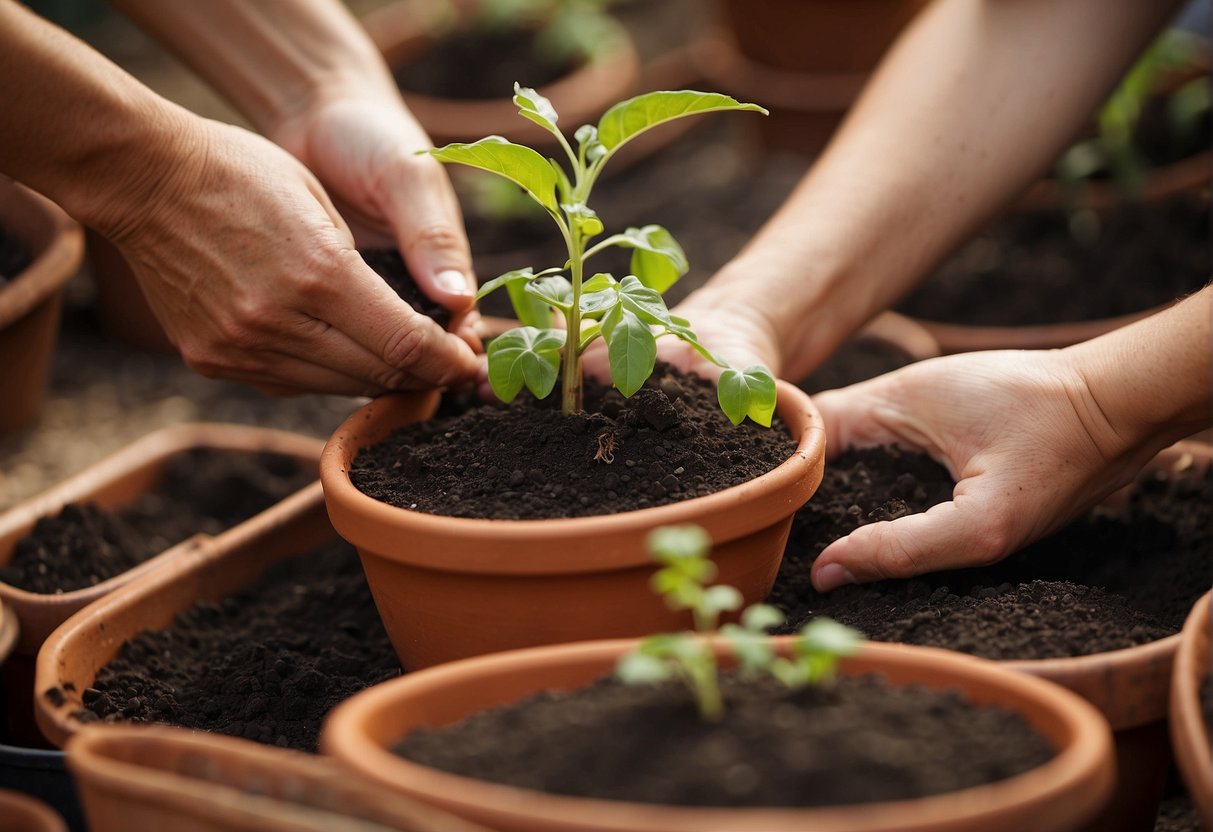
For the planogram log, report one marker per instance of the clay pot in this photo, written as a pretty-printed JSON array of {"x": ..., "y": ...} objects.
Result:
[
  {"x": 1059, "y": 795},
  {"x": 30, "y": 302},
  {"x": 155, "y": 777},
  {"x": 1189, "y": 733},
  {"x": 71, "y": 657},
  {"x": 547, "y": 581},
  {"x": 22, "y": 813},
  {"x": 398, "y": 30},
  {"x": 121, "y": 307},
  {"x": 116, "y": 481}
]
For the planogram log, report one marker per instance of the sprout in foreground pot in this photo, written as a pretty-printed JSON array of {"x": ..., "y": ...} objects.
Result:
[
  {"x": 682, "y": 552},
  {"x": 623, "y": 312}
]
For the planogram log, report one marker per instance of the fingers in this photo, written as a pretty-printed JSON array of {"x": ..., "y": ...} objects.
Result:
[{"x": 284, "y": 375}]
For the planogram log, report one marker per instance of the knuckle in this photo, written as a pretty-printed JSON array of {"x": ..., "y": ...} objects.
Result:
[
  {"x": 203, "y": 361},
  {"x": 899, "y": 560},
  {"x": 406, "y": 346},
  {"x": 441, "y": 236}
]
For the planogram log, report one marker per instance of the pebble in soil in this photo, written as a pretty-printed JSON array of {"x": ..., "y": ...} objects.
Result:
[
  {"x": 668, "y": 442},
  {"x": 857, "y": 741},
  {"x": 266, "y": 663},
  {"x": 1105, "y": 582},
  {"x": 203, "y": 490}
]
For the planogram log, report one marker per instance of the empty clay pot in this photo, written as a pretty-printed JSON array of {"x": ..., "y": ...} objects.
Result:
[
  {"x": 547, "y": 581},
  {"x": 1189, "y": 732},
  {"x": 29, "y": 303},
  {"x": 22, "y": 813},
  {"x": 1059, "y": 795}
]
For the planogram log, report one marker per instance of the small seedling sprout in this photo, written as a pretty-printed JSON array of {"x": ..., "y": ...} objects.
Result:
[
  {"x": 625, "y": 312},
  {"x": 682, "y": 553}
]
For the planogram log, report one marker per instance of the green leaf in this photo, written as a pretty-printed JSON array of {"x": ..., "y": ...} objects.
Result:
[
  {"x": 630, "y": 118},
  {"x": 527, "y": 308},
  {"x": 596, "y": 304},
  {"x": 515, "y": 162},
  {"x": 718, "y": 599},
  {"x": 752, "y": 650},
  {"x": 554, "y": 291},
  {"x": 749, "y": 392},
  {"x": 598, "y": 282},
  {"x": 525, "y": 356},
  {"x": 516, "y": 276},
  {"x": 589, "y": 331},
  {"x": 583, "y": 218},
  {"x": 825, "y": 635},
  {"x": 684, "y": 333},
  {"x": 563, "y": 186},
  {"x": 646, "y": 303},
  {"x": 631, "y": 349},
  {"x": 758, "y": 618},
  {"x": 671, "y": 543},
  {"x": 533, "y": 106},
  {"x": 657, "y": 259},
  {"x": 637, "y": 668}
]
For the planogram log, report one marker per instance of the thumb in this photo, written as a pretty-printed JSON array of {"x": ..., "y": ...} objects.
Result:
[{"x": 429, "y": 231}]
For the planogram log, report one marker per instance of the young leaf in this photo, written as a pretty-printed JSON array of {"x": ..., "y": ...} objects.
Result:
[
  {"x": 630, "y": 118},
  {"x": 825, "y": 635},
  {"x": 589, "y": 331},
  {"x": 527, "y": 308},
  {"x": 563, "y": 186},
  {"x": 631, "y": 349},
  {"x": 678, "y": 328},
  {"x": 636, "y": 668},
  {"x": 657, "y": 259},
  {"x": 515, "y": 162},
  {"x": 749, "y": 392},
  {"x": 752, "y": 650},
  {"x": 583, "y": 218},
  {"x": 525, "y": 356},
  {"x": 554, "y": 291},
  {"x": 646, "y": 303},
  {"x": 674, "y": 543},
  {"x": 718, "y": 599},
  {"x": 516, "y": 276},
  {"x": 598, "y": 282},
  {"x": 758, "y": 618},
  {"x": 596, "y": 304},
  {"x": 533, "y": 106}
]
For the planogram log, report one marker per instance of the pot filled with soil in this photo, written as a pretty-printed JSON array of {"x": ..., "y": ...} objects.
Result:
[
  {"x": 452, "y": 60},
  {"x": 23, "y": 813},
  {"x": 40, "y": 249},
  {"x": 1192, "y": 709},
  {"x": 256, "y": 635},
  {"x": 1096, "y": 607},
  {"x": 153, "y": 777},
  {"x": 588, "y": 753}
]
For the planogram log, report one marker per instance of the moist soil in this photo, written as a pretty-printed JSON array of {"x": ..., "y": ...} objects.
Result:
[
  {"x": 203, "y": 491},
  {"x": 389, "y": 265},
  {"x": 668, "y": 442},
  {"x": 1031, "y": 269},
  {"x": 858, "y": 359},
  {"x": 13, "y": 257},
  {"x": 478, "y": 64},
  {"x": 856, "y": 741},
  {"x": 267, "y": 663},
  {"x": 1105, "y": 582}
]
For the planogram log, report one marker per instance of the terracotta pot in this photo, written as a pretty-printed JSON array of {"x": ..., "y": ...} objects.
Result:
[
  {"x": 155, "y": 777},
  {"x": 954, "y": 338},
  {"x": 399, "y": 31},
  {"x": 116, "y": 481},
  {"x": 42, "y": 775},
  {"x": 30, "y": 302},
  {"x": 70, "y": 659},
  {"x": 21, "y": 813},
  {"x": 535, "y": 582},
  {"x": 1189, "y": 732},
  {"x": 121, "y": 306},
  {"x": 1059, "y": 795},
  {"x": 8, "y": 631}
]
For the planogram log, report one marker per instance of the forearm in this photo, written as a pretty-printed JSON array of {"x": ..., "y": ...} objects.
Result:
[
  {"x": 1150, "y": 382},
  {"x": 78, "y": 128},
  {"x": 272, "y": 59},
  {"x": 973, "y": 102}
]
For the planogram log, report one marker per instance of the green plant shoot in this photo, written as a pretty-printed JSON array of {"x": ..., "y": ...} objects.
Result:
[
  {"x": 682, "y": 553},
  {"x": 629, "y": 314}
]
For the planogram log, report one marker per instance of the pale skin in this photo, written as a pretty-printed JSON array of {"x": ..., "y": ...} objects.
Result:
[
  {"x": 974, "y": 101},
  {"x": 236, "y": 243}
]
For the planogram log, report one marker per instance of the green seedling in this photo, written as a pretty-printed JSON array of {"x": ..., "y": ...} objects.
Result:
[
  {"x": 682, "y": 552},
  {"x": 629, "y": 314}
]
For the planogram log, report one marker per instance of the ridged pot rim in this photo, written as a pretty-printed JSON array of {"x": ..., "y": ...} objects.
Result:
[
  {"x": 358, "y": 517},
  {"x": 55, "y": 244},
  {"x": 1084, "y": 758},
  {"x": 1189, "y": 734}
]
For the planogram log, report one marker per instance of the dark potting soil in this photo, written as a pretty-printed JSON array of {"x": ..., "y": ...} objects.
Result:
[
  {"x": 267, "y": 663},
  {"x": 1104, "y": 582},
  {"x": 480, "y": 64},
  {"x": 858, "y": 359},
  {"x": 668, "y": 442},
  {"x": 389, "y": 265},
  {"x": 1177, "y": 814},
  {"x": 1032, "y": 269},
  {"x": 203, "y": 491},
  {"x": 13, "y": 257},
  {"x": 858, "y": 741}
]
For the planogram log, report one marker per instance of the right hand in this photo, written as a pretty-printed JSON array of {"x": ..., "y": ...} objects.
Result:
[{"x": 255, "y": 277}]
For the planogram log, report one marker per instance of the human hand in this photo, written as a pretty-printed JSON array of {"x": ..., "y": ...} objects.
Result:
[
  {"x": 1020, "y": 432},
  {"x": 255, "y": 276},
  {"x": 363, "y": 149}
]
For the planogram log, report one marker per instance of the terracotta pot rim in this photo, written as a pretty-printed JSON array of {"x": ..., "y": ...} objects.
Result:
[
  {"x": 344, "y": 445},
  {"x": 1189, "y": 734},
  {"x": 1087, "y": 757},
  {"x": 28, "y": 813},
  {"x": 9, "y": 630},
  {"x": 51, "y": 265}
]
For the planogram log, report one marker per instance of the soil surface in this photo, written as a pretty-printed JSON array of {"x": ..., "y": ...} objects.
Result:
[
  {"x": 859, "y": 741},
  {"x": 13, "y": 257},
  {"x": 267, "y": 663},
  {"x": 668, "y": 442},
  {"x": 1035, "y": 269},
  {"x": 389, "y": 265},
  {"x": 1177, "y": 814},
  {"x": 480, "y": 64},
  {"x": 203, "y": 491},
  {"x": 858, "y": 359},
  {"x": 1103, "y": 583}
]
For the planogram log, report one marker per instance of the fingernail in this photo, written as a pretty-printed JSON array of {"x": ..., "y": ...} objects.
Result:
[
  {"x": 453, "y": 282},
  {"x": 831, "y": 576}
]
